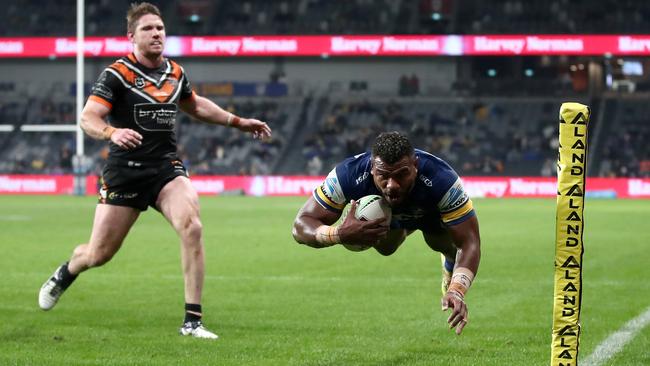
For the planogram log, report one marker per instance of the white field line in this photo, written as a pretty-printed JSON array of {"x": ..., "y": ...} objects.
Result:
[{"x": 617, "y": 340}]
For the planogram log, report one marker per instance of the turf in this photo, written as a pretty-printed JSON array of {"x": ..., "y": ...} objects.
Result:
[{"x": 274, "y": 302}]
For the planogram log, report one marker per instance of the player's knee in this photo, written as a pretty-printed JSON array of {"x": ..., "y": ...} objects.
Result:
[
  {"x": 98, "y": 257},
  {"x": 192, "y": 228}
]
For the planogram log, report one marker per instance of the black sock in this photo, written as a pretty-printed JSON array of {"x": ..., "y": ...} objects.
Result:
[
  {"x": 192, "y": 312},
  {"x": 66, "y": 277}
]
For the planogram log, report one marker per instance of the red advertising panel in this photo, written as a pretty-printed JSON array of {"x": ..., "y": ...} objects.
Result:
[
  {"x": 547, "y": 187},
  {"x": 36, "y": 184},
  {"x": 256, "y": 186},
  {"x": 476, "y": 187},
  {"x": 340, "y": 45}
]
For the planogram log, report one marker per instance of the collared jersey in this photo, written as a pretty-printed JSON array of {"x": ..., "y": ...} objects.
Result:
[
  {"x": 437, "y": 191},
  {"x": 144, "y": 100}
]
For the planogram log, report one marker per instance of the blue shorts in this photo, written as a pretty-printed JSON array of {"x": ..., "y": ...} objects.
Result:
[{"x": 430, "y": 223}]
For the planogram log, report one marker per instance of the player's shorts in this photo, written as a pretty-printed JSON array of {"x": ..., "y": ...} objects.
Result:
[
  {"x": 137, "y": 184},
  {"x": 430, "y": 223}
]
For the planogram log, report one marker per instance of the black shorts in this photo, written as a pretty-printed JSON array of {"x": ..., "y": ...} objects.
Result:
[{"x": 137, "y": 184}]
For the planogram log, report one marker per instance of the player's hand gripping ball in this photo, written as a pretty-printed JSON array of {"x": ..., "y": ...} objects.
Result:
[{"x": 369, "y": 208}]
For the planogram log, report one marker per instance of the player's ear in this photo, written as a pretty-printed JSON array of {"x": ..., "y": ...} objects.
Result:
[{"x": 130, "y": 35}]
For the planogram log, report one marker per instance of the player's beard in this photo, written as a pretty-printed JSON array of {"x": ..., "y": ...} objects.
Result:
[{"x": 150, "y": 51}]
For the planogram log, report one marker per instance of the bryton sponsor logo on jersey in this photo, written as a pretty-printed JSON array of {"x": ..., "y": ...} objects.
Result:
[{"x": 155, "y": 117}]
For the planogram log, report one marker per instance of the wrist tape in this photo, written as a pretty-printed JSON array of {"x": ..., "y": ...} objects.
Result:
[
  {"x": 326, "y": 234},
  {"x": 233, "y": 121},
  {"x": 461, "y": 280},
  {"x": 107, "y": 132}
]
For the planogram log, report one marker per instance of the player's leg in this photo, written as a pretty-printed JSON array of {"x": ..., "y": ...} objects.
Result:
[
  {"x": 440, "y": 241},
  {"x": 179, "y": 203},
  {"x": 110, "y": 226}
]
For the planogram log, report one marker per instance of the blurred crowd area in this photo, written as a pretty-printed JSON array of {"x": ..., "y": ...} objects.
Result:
[
  {"x": 211, "y": 17},
  {"x": 489, "y": 116},
  {"x": 484, "y": 136}
]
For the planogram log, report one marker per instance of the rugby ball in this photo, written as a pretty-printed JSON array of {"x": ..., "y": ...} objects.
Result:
[{"x": 372, "y": 207}]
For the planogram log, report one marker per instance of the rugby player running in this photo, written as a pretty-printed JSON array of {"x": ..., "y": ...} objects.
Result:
[{"x": 141, "y": 94}]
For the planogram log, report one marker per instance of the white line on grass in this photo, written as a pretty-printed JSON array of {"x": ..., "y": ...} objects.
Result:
[{"x": 615, "y": 342}]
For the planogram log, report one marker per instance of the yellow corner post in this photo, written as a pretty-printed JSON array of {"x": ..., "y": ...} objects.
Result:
[{"x": 572, "y": 162}]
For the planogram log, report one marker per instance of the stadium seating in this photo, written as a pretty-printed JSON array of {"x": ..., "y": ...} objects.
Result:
[
  {"x": 482, "y": 125},
  {"x": 35, "y": 18},
  {"x": 478, "y": 136},
  {"x": 625, "y": 152}
]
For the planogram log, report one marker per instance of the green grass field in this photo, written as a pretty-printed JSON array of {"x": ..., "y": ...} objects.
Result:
[{"x": 274, "y": 302}]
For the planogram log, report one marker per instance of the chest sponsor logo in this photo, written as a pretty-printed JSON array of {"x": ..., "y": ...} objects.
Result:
[{"x": 155, "y": 117}]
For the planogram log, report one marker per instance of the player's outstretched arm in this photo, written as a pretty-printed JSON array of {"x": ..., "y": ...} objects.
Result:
[
  {"x": 93, "y": 122},
  {"x": 467, "y": 238},
  {"x": 207, "y": 111},
  {"x": 313, "y": 226}
]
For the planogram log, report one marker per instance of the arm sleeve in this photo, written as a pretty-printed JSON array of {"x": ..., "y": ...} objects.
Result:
[
  {"x": 330, "y": 194},
  {"x": 455, "y": 206},
  {"x": 105, "y": 89}
]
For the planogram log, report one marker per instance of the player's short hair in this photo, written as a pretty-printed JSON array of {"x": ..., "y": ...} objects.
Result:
[
  {"x": 390, "y": 147},
  {"x": 137, "y": 11}
]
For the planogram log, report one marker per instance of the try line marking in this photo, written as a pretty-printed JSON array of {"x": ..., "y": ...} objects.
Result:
[{"x": 617, "y": 340}]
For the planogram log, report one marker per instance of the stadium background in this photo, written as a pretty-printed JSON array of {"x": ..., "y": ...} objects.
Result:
[
  {"x": 493, "y": 116},
  {"x": 487, "y": 115}
]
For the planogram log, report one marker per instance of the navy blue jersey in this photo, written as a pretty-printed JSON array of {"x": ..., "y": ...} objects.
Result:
[{"x": 438, "y": 191}]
